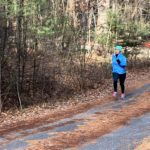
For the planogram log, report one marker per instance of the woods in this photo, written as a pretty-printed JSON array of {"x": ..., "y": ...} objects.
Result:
[{"x": 48, "y": 47}]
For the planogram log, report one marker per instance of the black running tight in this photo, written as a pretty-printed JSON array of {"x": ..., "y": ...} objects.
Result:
[{"x": 121, "y": 78}]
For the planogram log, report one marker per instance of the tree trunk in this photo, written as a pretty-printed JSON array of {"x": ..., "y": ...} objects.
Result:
[
  {"x": 2, "y": 50},
  {"x": 0, "y": 85},
  {"x": 19, "y": 49}
]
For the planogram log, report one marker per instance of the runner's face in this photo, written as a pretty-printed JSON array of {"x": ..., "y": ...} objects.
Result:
[{"x": 116, "y": 51}]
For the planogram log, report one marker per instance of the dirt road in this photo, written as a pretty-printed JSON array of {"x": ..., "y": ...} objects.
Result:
[{"x": 110, "y": 124}]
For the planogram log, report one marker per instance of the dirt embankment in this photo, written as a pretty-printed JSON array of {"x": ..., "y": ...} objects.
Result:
[{"x": 103, "y": 123}]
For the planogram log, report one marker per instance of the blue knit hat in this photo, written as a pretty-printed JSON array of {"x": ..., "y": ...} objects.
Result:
[{"x": 120, "y": 48}]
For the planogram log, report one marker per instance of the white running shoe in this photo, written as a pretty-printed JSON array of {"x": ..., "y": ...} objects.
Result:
[
  {"x": 122, "y": 96},
  {"x": 114, "y": 94}
]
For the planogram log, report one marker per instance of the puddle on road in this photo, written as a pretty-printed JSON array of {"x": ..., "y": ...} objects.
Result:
[
  {"x": 64, "y": 125},
  {"x": 125, "y": 138}
]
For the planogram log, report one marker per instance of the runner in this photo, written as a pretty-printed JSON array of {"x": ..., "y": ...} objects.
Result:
[{"x": 119, "y": 64}]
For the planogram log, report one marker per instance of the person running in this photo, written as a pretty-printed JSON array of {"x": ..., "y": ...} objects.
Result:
[{"x": 119, "y": 63}]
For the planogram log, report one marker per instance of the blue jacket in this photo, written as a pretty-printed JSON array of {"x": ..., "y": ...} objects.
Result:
[{"x": 116, "y": 67}]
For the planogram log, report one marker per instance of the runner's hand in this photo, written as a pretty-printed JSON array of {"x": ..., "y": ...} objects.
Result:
[{"x": 118, "y": 61}]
